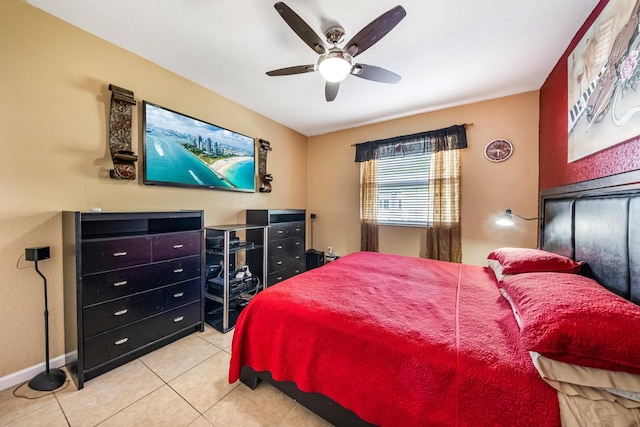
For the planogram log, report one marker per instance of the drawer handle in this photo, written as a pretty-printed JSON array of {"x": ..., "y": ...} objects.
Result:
[
  {"x": 297, "y": 243},
  {"x": 279, "y": 231},
  {"x": 297, "y": 229},
  {"x": 279, "y": 246},
  {"x": 124, "y": 282},
  {"x": 178, "y": 270},
  {"x": 178, "y": 295},
  {"x": 279, "y": 278},
  {"x": 121, "y": 312},
  {"x": 178, "y": 246},
  {"x": 297, "y": 256},
  {"x": 119, "y": 254},
  {"x": 279, "y": 263},
  {"x": 122, "y": 341},
  {"x": 178, "y": 319},
  {"x": 297, "y": 271}
]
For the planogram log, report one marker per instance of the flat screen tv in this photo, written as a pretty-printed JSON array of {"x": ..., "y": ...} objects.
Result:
[{"x": 186, "y": 152}]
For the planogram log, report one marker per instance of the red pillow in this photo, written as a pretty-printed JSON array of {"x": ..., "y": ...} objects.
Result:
[
  {"x": 571, "y": 318},
  {"x": 525, "y": 260}
]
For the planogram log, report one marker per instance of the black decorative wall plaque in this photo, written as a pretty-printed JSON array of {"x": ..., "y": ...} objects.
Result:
[
  {"x": 123, "y": 157},
  {"x": 265, "y": 178}
]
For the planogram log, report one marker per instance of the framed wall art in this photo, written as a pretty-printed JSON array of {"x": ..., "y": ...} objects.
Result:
[{"x": 603, "y": 79}]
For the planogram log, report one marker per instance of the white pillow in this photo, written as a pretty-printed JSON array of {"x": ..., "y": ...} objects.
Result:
[
  {"x": 513, "y": 307},
  {"x": 495, "y": 265},
  {"x": 588, "y": 382}
]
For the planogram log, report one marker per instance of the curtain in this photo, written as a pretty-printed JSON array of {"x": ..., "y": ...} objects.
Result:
[
  {"x": 443, "y": 240},
  {"x": 368, "y": 206},
  {"x": 433, "y": 141}
]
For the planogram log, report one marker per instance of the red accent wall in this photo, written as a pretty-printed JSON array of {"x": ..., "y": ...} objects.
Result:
[{"x": 554, "y": 168}]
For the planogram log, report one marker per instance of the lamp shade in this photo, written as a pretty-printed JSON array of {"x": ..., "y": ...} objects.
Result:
[
  {"x": 506, "y": 219},
  {"x": 335, "y": 66}
]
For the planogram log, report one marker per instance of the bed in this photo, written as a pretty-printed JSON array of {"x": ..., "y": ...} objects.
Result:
[{"x": 377, "y": 339}]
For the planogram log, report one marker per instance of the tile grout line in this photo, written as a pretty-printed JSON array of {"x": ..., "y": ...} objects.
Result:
[
  {"x": 55, "y": 396},
  {"x": 14, "y": 395},
  {"x": 56, "y": 393},
  {"x": 293, "y": 408},
  {"x": 141, "y": 398},
  {"x": 188, "y": 370}
]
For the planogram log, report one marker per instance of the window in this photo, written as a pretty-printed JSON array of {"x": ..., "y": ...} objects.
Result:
[
  {"x": 413, "y": 180},
  {"x": 403, "y": 190}
]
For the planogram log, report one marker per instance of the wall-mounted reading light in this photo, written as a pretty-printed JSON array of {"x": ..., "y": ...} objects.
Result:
[{"x": 506, "y": 219}]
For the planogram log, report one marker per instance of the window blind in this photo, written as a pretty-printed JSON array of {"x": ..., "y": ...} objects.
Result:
[{"x": 403, "y": 190}]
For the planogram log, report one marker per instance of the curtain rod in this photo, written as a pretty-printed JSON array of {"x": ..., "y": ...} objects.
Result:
[{"x": 466, "y": 125}]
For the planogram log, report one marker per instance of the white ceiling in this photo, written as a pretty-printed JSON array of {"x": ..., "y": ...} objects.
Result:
[{"x": 448, "y": 52}]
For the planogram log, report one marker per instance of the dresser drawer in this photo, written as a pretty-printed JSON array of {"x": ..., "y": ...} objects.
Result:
[
  {"x": 279, "y": 276},
  {"x": 115, "y": 313},
  {"x": 118, "y": 283},
  {"x": 175, "y": 245},
  {"x": 109, "y": 345},
  {"x": 103, "y": 255},
  {"x": 290, "y": 229},
  {"x": 284, "y": 261},
  {"x": 289, "y": 245}
]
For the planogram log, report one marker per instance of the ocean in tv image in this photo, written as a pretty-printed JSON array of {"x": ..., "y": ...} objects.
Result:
[{"x": 182, "y": 150}]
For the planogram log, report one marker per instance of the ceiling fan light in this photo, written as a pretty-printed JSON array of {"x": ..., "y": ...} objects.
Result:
[{"x": 335, "y": 66}]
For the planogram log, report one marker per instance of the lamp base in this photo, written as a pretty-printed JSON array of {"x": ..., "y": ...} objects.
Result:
[{"x": 47, "y": 381}]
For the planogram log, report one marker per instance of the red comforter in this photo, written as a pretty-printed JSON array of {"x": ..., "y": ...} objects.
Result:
[{"x": 400, "y": 341}]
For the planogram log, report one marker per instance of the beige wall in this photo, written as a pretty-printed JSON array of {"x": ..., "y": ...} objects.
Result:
[
  {"x": 487, "y": 188},
  {"x": 53, "y": 132},
  {"x": 54, "y": 101}
]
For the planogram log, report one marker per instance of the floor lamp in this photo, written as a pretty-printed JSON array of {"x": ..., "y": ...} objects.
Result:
[{"x": 50, "y": 379}]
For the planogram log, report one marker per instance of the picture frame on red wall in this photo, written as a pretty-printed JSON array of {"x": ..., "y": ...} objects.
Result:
[{"x": 604, "y": 81}]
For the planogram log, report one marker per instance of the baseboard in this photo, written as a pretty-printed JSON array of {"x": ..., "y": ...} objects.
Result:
[{"x": 27, "y": 373}]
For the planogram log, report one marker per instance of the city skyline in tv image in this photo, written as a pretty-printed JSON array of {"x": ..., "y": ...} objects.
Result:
[{"x": 181, "y": 150}]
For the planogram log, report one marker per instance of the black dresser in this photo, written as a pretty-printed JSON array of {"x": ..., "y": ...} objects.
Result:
[
  {"x": 133, "y": 282},
  {"x": 286, "y": 246}
]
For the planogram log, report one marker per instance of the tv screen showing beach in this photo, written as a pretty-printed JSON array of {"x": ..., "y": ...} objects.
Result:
[{"x": 182, "y": 151}]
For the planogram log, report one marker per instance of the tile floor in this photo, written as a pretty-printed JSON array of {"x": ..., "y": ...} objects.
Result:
[{"x": 182, "y": 384}]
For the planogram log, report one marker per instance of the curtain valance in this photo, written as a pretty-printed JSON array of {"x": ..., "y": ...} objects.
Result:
[{"x": 451, "y": 138}]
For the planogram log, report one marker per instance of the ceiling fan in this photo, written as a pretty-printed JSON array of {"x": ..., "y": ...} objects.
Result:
[{"x": 336, "y": 63}]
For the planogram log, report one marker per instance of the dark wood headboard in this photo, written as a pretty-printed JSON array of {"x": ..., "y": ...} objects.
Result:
[{"x": 597, "y": 222}]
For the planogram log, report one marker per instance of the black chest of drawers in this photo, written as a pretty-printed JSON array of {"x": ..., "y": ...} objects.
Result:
[
  {"x": 286, "y": 245},
  {"x": 133, "y": 282}
]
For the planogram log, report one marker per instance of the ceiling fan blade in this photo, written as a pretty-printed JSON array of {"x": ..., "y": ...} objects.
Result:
[
  {"x": 287, "y": 71},
  {"x": 375, "y": 30},
  {"x": 376, "y": 74},
  {"x": 331, "y": 90},
  {"x": 301, "y": 28}
]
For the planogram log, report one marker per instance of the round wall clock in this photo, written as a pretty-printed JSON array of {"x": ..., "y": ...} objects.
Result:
[{"x": 498, "y": 150}]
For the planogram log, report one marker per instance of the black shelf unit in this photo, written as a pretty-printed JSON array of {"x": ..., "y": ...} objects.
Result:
[{"x": 225, "y": 293}]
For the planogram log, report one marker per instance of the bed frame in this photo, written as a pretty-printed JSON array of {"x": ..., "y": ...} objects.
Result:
[{"x": 595, "y": 221}]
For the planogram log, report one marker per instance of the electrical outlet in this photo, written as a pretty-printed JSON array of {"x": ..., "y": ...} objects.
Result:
[{"x": 329, "y": 249}]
